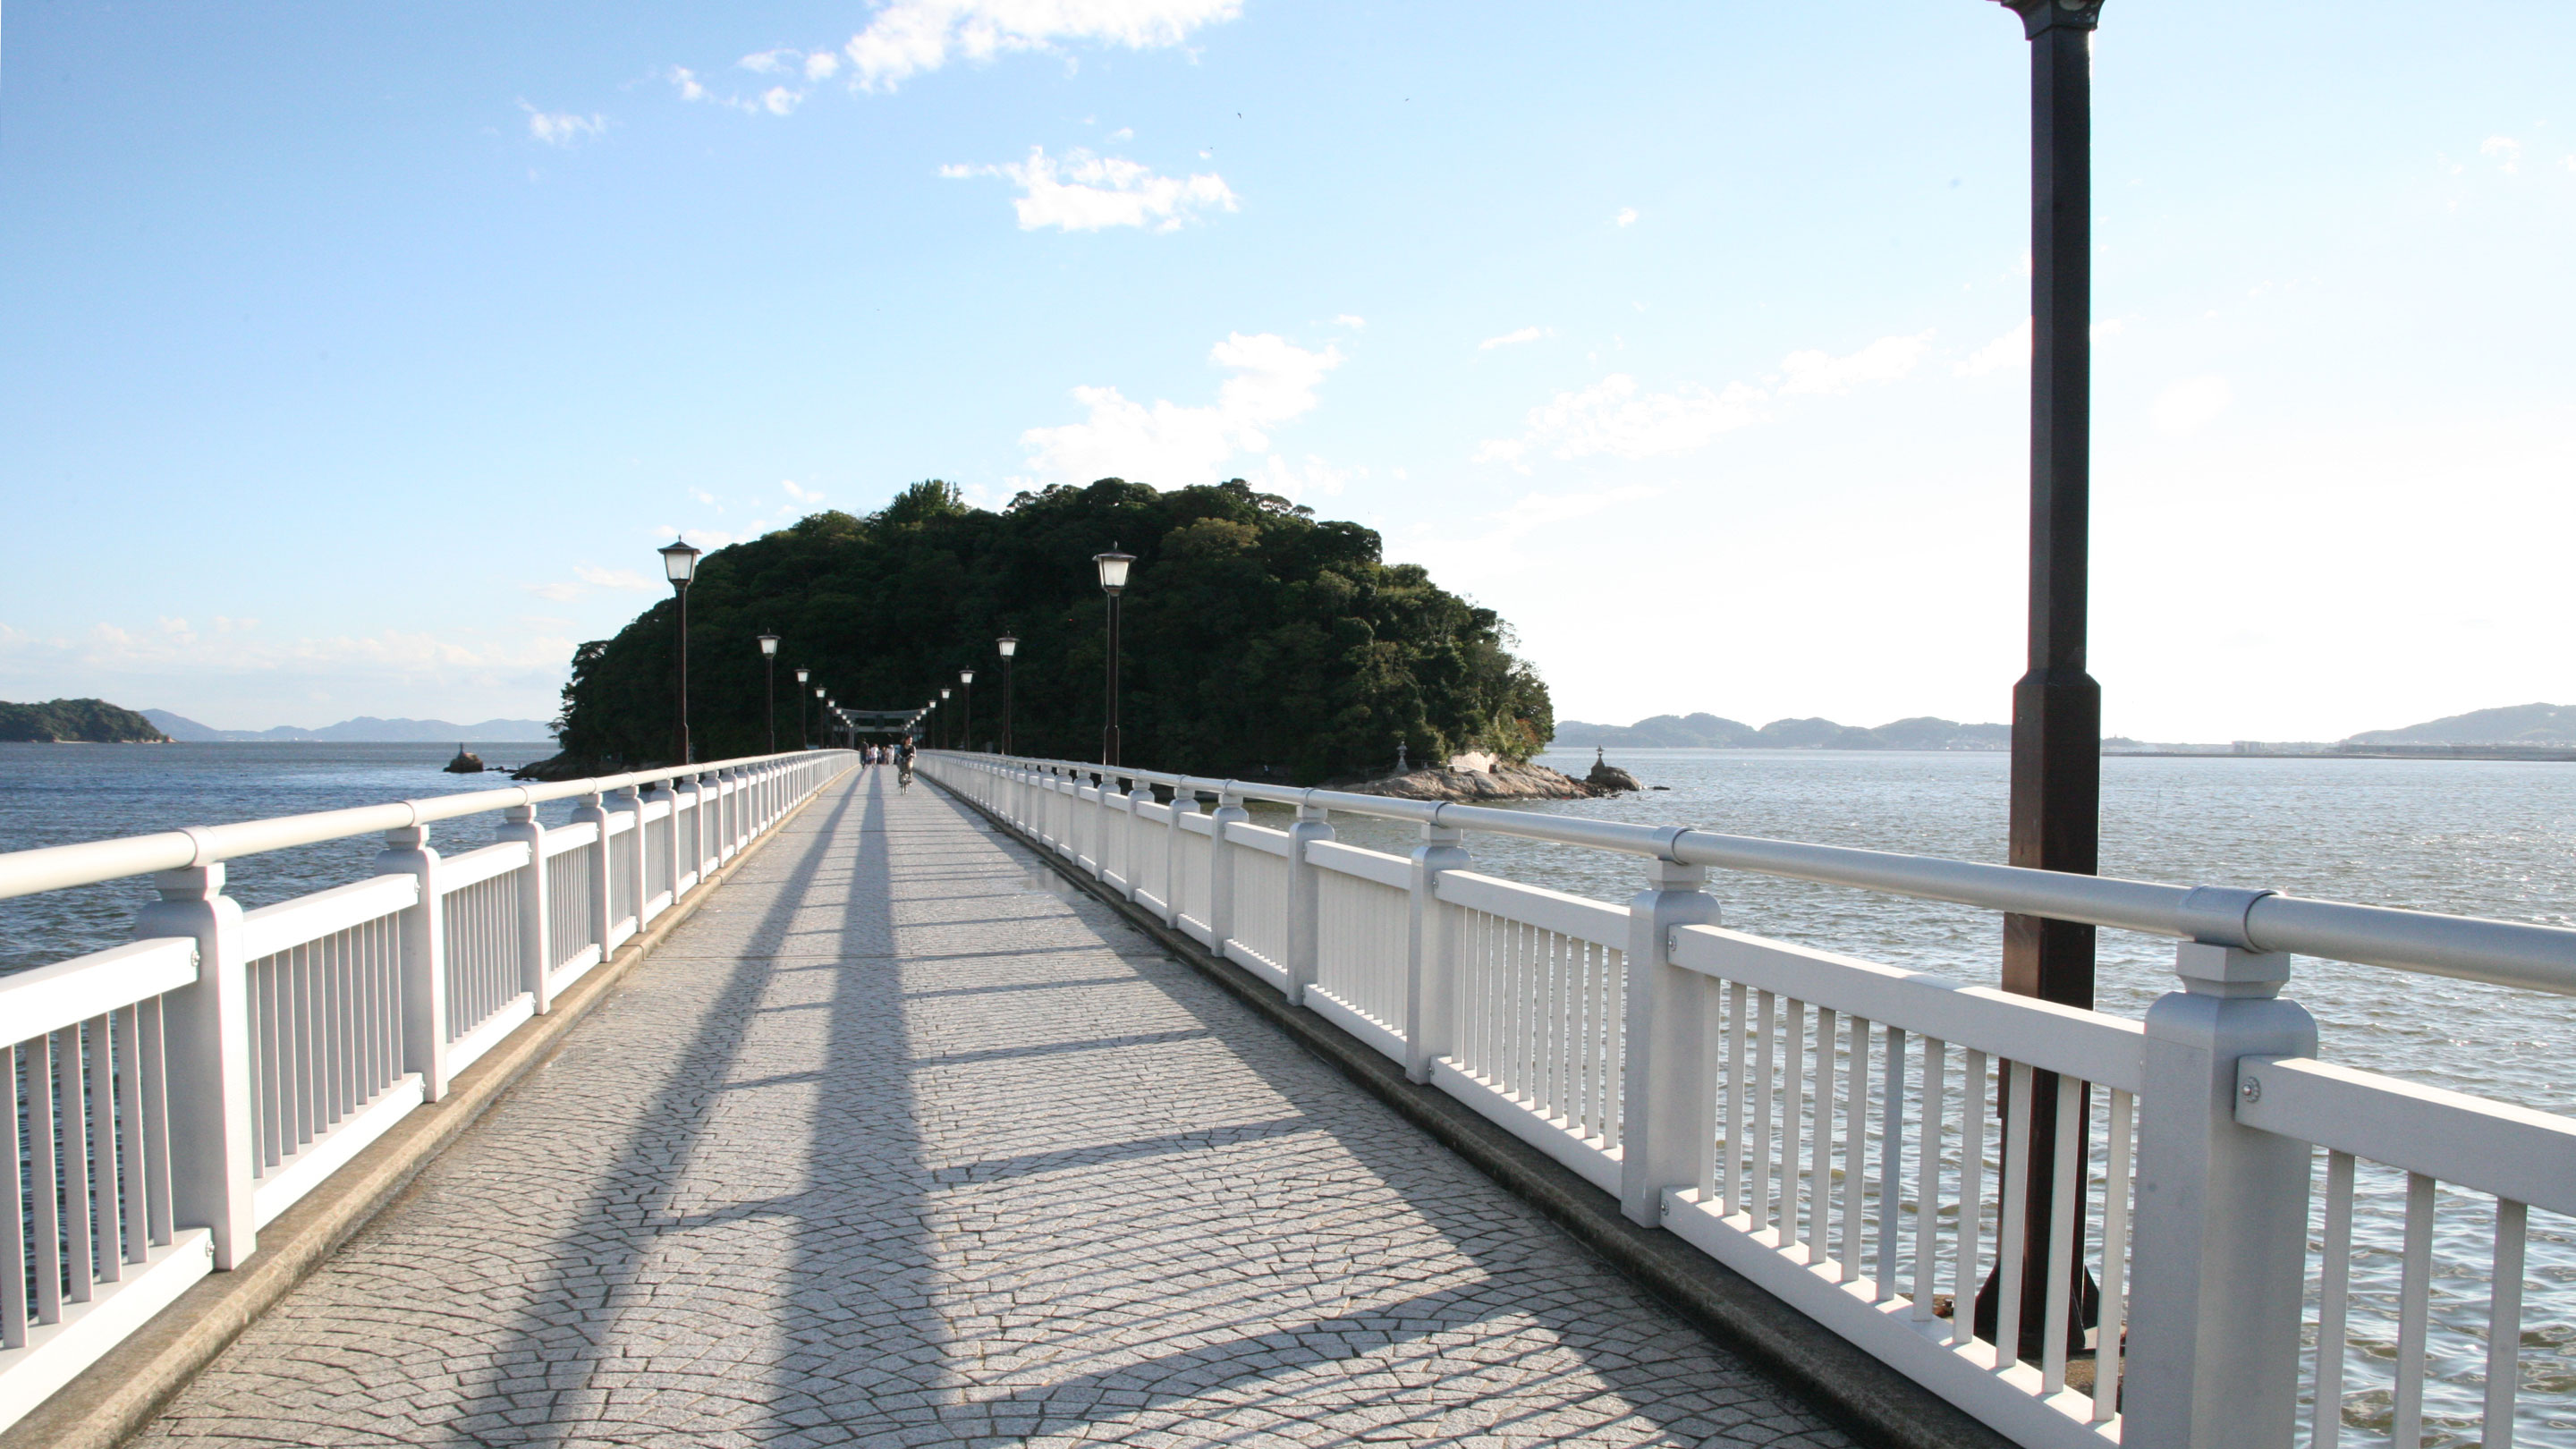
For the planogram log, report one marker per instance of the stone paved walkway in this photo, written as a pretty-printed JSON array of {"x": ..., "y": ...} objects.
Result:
[{"x": 900, "y": 1141}]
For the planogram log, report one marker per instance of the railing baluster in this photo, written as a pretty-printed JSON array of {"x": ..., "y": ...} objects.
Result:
[
  {"x": 13, "y": 1189},
  {"x": 2065, "y": 1213},
  {"x": 1928, "y": 1135},
  {"x": 2112, "y": 1324},
  {"x": 2414, "y": 1309},
  {"x": 1972, "y": 1203},
  {"x": 2504, "y": 1325},
  {"x": 2012, "y": 1230},
  {"x": 1891, "y": 1166},
  {"x": 1820, "y": 1151},
  {"x": 73, "y": 1168},
  {"x": 1758, "y": 1203},
  {"x": 1731, "y": 1194},
  {"x": 107, "y": 1231},
  {"x": 134, "y": 1162},
  {"x": 44, "y": 1176},
  {"x": 1793, "y": 1121},
  {"x": 1855, "y": 1213}
]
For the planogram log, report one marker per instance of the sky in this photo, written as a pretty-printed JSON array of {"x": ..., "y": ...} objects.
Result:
[{"x": 354, "y": 359}]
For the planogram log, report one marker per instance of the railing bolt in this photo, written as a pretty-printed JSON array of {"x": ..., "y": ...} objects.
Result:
[{"x": 2252, "y": 1090}]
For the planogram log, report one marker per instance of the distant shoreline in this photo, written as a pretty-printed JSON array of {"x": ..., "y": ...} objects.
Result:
[{"x": 2543, "y": 756}]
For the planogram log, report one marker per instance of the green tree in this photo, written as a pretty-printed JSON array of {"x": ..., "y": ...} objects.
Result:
[{"x": 1256, "y": 637}]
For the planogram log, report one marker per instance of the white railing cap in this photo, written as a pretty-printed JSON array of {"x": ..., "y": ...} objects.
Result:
[
  {"x": 53, "y": 867},
  {"x": 2502, "y": 953}
]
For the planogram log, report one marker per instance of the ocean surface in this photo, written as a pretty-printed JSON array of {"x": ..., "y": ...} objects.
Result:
[{"x": 2485, "y": 838}]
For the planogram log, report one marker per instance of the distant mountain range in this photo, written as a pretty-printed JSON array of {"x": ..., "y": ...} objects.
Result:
[
  {"x": 2514, "y": 725},
  {"x": 1712, "y": 732},
  {"x": 2518, "y": 724},
  {"x": 365, "y": 729}
]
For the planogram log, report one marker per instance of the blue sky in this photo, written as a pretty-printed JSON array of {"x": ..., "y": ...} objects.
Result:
[{"x": 354, "y": 359}]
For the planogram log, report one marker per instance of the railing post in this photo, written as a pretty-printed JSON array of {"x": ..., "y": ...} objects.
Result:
[
  {"x": 1102, "y": 817},
  {"x": 2222, "y": 1218},
  {"x": 684, "y": 796},
  {"x": 594, "y": 812},
  {"x": 655, "y": 792},
  {"x": 1139, "y": 795},
  {"x": 206, "y": 1044},
  {"x": 1304, "y": 889},
  {"x": 1185, "y": 801},
  {"x": 1229, "y": 809},
  {"x": 423, "y": 932},
  {"x": 536, "y": 960},
  {"x": 1431, "y": 953},
  {"x": 1666, "y": 1081}
]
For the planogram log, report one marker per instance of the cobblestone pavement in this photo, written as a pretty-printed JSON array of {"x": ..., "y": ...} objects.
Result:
[{"x": 901, "y": 1141}]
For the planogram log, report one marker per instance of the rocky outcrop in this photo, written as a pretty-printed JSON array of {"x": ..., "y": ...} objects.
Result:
[
  {"x": 466, "y": 762},
  {"x": 565, "y": 767},
  {"x": 1608, "y": 779},
  {"x": 1502, "y": 782}
]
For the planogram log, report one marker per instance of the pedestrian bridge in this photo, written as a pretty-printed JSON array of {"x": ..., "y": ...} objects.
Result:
[{"x": 783, "y": 1102}]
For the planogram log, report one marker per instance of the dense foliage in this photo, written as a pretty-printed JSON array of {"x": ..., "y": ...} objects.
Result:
[
  {"x": 77, "y": 721},
  {"x": 1256, "y": 637}
]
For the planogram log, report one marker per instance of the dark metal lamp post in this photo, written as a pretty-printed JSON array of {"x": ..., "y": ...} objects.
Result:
[
  {"x": 1113, "y": 582},
  {"x": 1010, "y": 648},
  {"x": 2057, "y": 708},
  {"x": 804, "y": 736},
  {"x": 769, "y": 685},
  {"x": 680, "y": 565},
  {"x": 966, "y": 708},
  {"x": 946, "y": 731}
]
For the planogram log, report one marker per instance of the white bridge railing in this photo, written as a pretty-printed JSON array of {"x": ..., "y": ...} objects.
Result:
[
  {"x": 1857, "y": 1139},
  {"x": 167, "y": 1098}
]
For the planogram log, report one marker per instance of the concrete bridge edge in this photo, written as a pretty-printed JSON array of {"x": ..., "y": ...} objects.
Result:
[
  {"x": 114, "y": 1398},
  {"x": 1864, "y": 1397}
]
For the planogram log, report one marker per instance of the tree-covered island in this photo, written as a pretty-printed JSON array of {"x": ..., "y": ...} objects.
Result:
[
  {"x": 77, "y": 722},
  {"x": 1256, "y": 637}
]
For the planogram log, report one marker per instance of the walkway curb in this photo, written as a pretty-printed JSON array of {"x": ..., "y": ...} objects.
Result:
[
  {"x": 1865, "y": 1398},
  {"x": 121, "y": 1393}
]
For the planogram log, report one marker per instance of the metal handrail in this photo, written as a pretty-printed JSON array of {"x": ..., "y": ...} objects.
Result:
[
  {"x": 2469, "y": 948},
  {"x": 53, "y": 867}
]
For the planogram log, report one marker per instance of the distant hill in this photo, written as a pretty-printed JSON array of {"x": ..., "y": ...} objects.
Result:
[
  {"x": 77, "y": 721},
  {"x": 366, "y": 729},
  {"x": 2519, "y": 724},
  {"x": 1714, "y": 732}
]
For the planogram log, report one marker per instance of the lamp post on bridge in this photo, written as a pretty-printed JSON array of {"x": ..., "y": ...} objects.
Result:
[
  {"x": 966, "y": 726},
  {"x": 946, "y": 732},
  {"x": 1113, "y": 582},
  {"x": 769, "y": 685},
  {"x": 1010, "y": 648},
  {"x": 2057, "y": 706},
  {"x": 804, "y": 735},
  {"x": 680, "y": 566}
]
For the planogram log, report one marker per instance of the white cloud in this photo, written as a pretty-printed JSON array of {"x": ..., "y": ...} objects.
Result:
[
  {"x": 1612, "y": 417},
  {"x": 1273, "y": 380},
  {"x": 779, "y": 100},
  {"x": 562, "y": 128},
  {"x": 2506, "y": 150},
  {"x": 1353, "y": 323},
  {"x": 1083, "y": 192},
  {"x": 909, "y": 37},
  {"x": 2010, "y": 350},
  {"x": 1123, "y": 133},
  {"x": 2190, "y": 405},
  {"x": 1816, "y": 373},
  {"x": 1514, "y": 339},
  {"x": 600, "y": 578},
  {"x": 555, "y": 591},
  {"x": 1627, "y": 216},
  {"x": 769, "y": 62},
  {"x": 801, "y": 495},
  {"x": 1617, "y": 418},
  {"x": 822, "y": 65}
]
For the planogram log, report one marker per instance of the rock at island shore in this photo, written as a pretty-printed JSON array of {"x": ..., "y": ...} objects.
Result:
[
  {"x": 566, "y": 766},
  {"x": 1608, "y": 779},
  {"x": 466, "y": 762},
  {"x": 1502, "y": 782}
]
